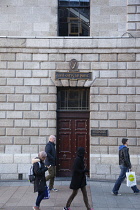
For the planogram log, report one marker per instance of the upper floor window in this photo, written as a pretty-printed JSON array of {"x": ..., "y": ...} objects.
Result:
[{"x": 73, "y": 17}]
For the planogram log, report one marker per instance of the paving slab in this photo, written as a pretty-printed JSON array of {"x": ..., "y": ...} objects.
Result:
[
  {"x": 20, "y": 196},
  {"x": 102, "y": 198}
]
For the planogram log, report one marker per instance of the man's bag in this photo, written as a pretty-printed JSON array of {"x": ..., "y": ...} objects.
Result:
[
  {"x": 131, "y": 179},
  {"x": 47, "y": 193}
]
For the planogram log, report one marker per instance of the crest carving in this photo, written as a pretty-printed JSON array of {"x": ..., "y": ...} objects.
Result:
[{"x": 73, "y": 65}]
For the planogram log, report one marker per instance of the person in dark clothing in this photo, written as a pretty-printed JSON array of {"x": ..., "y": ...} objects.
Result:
[
  {"x": 39, "y": 170},
  {"x": 78, "y": 180},
  {"x": 125, "y": 166},
  {"x": 51, "y": 161}
]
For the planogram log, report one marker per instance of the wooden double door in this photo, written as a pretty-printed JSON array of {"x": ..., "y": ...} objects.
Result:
[{"x": 72, "y": 132}]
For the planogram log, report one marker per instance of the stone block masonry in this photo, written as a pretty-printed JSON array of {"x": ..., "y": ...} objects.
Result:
[
  {"x": 28, "y": 98},
  {"x": 108, "y": 18},
  {"x": 133, "y": 14}
]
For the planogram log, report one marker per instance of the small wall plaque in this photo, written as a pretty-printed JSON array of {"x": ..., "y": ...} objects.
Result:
[{"x": 99, "y": 132}]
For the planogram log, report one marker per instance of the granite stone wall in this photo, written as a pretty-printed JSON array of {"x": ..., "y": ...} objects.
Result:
[
  {"x": 28, "y": 98},
  {"x": 108, "y": 18},
  {"x": 133, "y": 17}
]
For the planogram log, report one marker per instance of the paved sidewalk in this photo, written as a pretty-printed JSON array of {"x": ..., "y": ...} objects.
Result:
[
  {"x": 20, "y": 196},
  {"x": 103, "y": 199}
]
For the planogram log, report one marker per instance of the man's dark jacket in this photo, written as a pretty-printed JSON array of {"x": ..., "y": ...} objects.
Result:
[
  {"x": 51, "y": 154},
  {"x": 124, "y": 158}
]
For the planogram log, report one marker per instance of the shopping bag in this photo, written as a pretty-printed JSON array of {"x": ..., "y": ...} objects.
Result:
[
  {"x": 131, "y": 179},
  {"x": 47, "y": 193}
]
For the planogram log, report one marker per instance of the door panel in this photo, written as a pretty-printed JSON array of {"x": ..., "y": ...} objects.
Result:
[
  {"x": 64, "y": 144},
  {"x": 82, "y": 142},
  {"x": 81, "y": 125},
  {"x": 72, "y": 132},
  {"x": 65, "y": 124}
]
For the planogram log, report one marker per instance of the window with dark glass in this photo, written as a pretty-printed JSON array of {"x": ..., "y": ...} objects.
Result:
[
  {"x": 73, "y": 17},
  {"x": 73, "y": 99}
]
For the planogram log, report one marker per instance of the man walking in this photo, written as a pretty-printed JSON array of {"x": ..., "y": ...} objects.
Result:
[
  {"x": 125, "y": 165},
  {"x": 50, "y": 161}
]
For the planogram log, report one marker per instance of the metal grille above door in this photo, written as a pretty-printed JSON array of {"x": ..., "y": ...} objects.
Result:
[{"x": 73, "y": 99}]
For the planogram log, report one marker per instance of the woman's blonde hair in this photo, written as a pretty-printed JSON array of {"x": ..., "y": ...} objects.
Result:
[{"x": 42, "y": 154}]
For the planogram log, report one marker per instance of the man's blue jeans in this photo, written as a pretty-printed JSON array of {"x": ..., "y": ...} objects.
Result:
[{"x": 121, "y": 178}]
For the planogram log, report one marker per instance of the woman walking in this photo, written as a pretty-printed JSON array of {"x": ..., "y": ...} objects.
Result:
[
  {"x": 78, "y": 180},
  {"x": 40, "y": 180}
]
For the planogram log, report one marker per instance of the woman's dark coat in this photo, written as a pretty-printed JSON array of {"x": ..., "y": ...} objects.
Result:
[
  {"x": 39, "y": 172},
  {"x": 78, "y": 176}
]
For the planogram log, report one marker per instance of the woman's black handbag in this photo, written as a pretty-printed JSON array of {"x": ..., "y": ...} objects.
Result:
[{"x": 31, "y": 176}]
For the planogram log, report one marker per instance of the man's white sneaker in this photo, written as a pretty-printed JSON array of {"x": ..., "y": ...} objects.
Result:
[
  {"x": 115, "y": 194},
  {"x": 136, "y": 193},
  {"x": 54, "y": 189}
]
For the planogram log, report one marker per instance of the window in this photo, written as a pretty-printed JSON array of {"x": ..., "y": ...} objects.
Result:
[
  {"x": 73, "y": 17},
  {"x": 73, "y": 99}
]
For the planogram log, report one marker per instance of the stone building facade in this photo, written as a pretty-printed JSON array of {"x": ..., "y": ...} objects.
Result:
[{"x": 31, "y": 52}]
